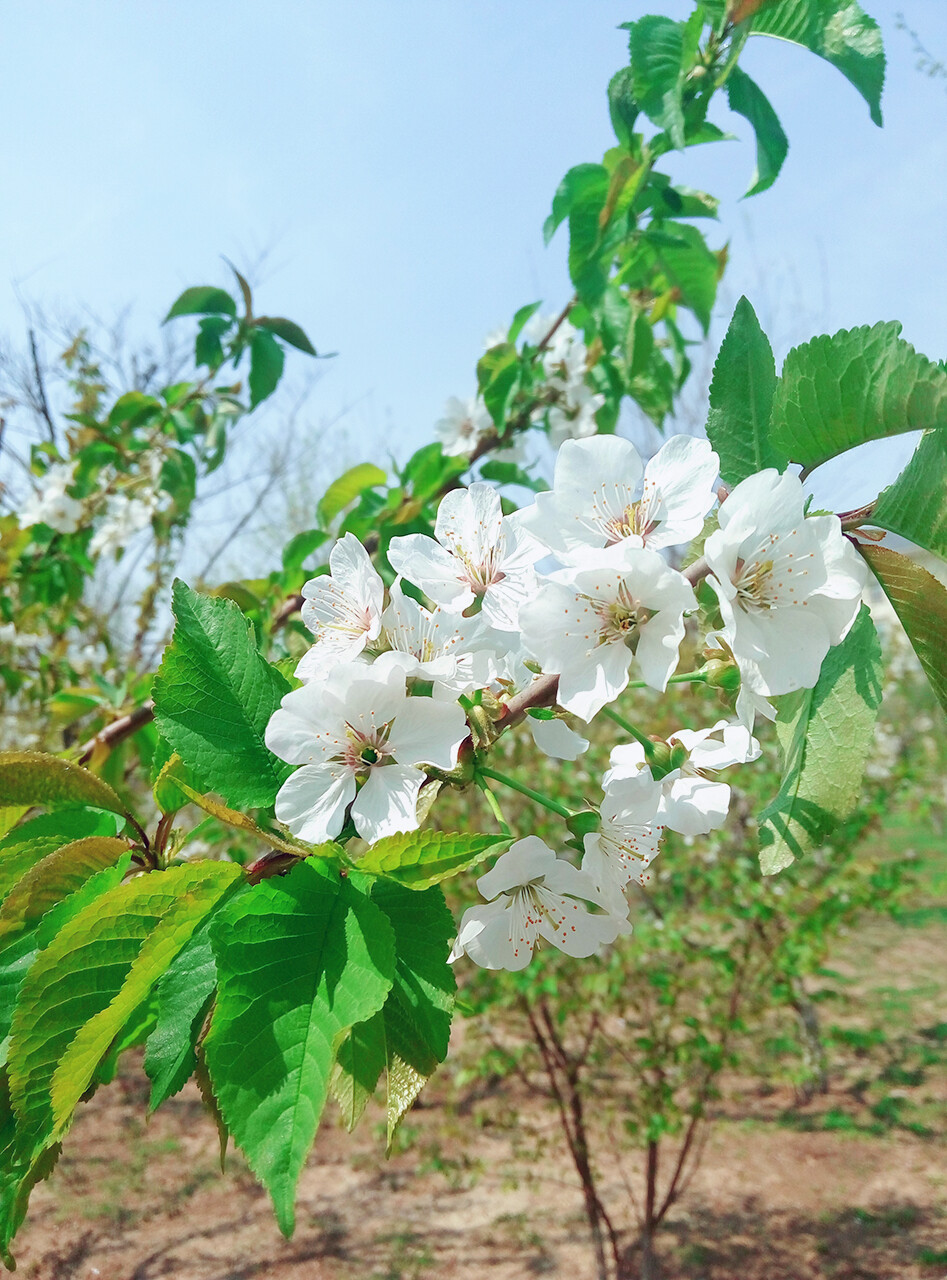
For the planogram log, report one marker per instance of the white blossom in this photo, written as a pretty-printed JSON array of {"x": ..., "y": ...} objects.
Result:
[
  {"x": 557, "y": 739},
  {"x": 478, "y": 555},
  {"x": 690, "y": 801},
  {"x": 532, "y": 894},
  {"x": 789, "y": 587},
  {"x": 573, "y": 418},
  {"x": 595, "y": 500},
  {"x": 464, "y": 424},
  {"x": 342, "y": 610},
  {"x": 51, "y": 504},
  {"x": 587, "y": 624},
  {"x": 627, "y": 842},
  {"x": 359, "y": 738},
  {"x": 454, "y": 652},
  {"x": 124, "y": 517}
]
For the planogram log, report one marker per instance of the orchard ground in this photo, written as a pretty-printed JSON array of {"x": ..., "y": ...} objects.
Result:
[{"x": 852, "y": 1183}]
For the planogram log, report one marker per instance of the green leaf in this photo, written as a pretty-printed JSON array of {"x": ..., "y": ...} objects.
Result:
[
  {"x": 857, "y": 385},
  {"x": 32, "y": 841},
  {"x": 342, "y": 492},
  {"x": 203, "y": 300},
  {"x": 266, "y": 366},
  {"x": 300, "y": 548},
  {"x": 428, "y": 471},
  {"x": 523, "y": 315},
  {"x": 32, "y": 777},
  {"x": 826, "y": 734},
  {"x": 837, "y": 30},
  {"x": 424, "y": 982},
  {"x": 420, "y": 859},
  {"x": 622, "y": 105},
  {"x": 689, "y": 265},
  {"x": 214, "y": 695},
  {"x": 747, "y": 99},
  {"x": 583, "y": 184},
  {"x": 113, "y": 951},
  {"x": 300, "y": 960},
  {"x": 915, "y": 506},
  {"x": 362, "y": 1057},
  {"x": 920, "y": 601},
  {"x": 741, "y": 400},
  {"x": 661, "y": 53},
  {"x": 289, "y": 331},
  {"x": 497, "y": 374},
  {"x": 208, "y": 348},
  {"x": 509, "y": 473},
  {"x": 56, "y": 889},
  {"x": 17, "y": 1176},
  {"x": 184, "y": 994}
]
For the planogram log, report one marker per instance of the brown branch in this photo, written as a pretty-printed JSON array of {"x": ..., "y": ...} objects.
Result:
[
  {"x": 118, "y": 730},
  {"x": 41, "y": 391}
]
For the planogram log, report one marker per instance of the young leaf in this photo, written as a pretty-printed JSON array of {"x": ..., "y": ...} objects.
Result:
[
  {"x": 300, "y": 961},
  {"x": 497, "y": 374},
  {"x": 301, "y": 547},
  {"x": 657, "y": 46},
  {"x": 214, "y": 695},
  {"x": 289, "y": 331},
  {"x": 30, "y": 842},
  {"x": 920, "y": 601},
  {"x": 915, "y": 506},
  {"x": 202, "y": 300},
  {"x": 741, "y": 399},
  {"x": 858, "y": 385},
  {"x": 523, "y": 315},
  {"x": 53, "y": 878},
  {"x": 622, "y": 105},
  {"x": 113, "y": 951},
  {"x": 266, "y": 366},
  {"x": 347, "y": 488},
  {"x": 18, "y": 1177},
  {"x": 32, "y": 777},
  {"x": 420, "y": 859},
  {"x": 747, "y": 99},
  {"x": 826, "y": 734},
  {"x": 583, "y": 184},
  {"x": 689, "y": 265}
]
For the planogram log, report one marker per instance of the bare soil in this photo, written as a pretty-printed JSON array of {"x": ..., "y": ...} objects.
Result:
[{"x": 783, "y": 1192}]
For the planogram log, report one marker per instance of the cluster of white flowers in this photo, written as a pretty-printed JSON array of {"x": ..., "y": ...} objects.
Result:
[
  {"x": 573, "y": 404},
  {"x": 390, "y": 689},
  {"x": 122, "y": 514}
]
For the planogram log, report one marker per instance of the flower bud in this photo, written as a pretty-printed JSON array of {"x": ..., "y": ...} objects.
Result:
[{"x": 722, "y": 674}]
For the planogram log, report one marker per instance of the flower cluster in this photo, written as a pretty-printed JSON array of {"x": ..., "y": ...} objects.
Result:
[{"x": 561, "y": 601}]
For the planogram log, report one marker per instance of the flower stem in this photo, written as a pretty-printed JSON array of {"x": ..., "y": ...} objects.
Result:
[
  {"x": 630, "y": 728},
  {"x": 553, "y": 805},
  {"x": 493, "y": 806},
  {"x": 688, "y": 677}
]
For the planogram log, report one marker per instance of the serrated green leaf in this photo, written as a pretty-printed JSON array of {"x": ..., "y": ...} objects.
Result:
[
  {"x": 747, "y": 99},
  {"x": 518, "y": 322},
  {"x": 300, "y": 961},
  {"x": 741, "y": 400},
  {"x": 583, "y": 184},
  {"x": 289, "y": 331},
  {"x": 837, "y": 30},
  {"x": 405, "y": 1081},
  {"x": 424, "y": 982},
  {"x": 657, "y": 46},
  {"x": 510, "y": 473},
  {"x": 857, "y": 385},
  {"x": 32, "y": 777},
  {"x": 920, "y": 601},
  {"x": 266, "y": 366},
  {"x": 203, "y": 299},
  {"x": 622, "y": 105},
  {"x": 826, "y": 734},
  {"x": 915, "y": 506},
  {"x": 348, "y": 487},
  {"x": 362, "y": 1057},
  {"x": 420, "y": 859},
  {"x": 184, "y": 994},
  {"x": 214, "y": 695},
  {"x": 30, "y": 842},
  {"x": 113, "y": 951},
  {"x": 497, "y": 374},
  {"x": 53, "y": 878},
  {"x": 17, "y": 1176}
]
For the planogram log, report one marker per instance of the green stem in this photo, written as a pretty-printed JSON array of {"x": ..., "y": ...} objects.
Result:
[
  {"x": 537, "y": 796},
  {"x": 688, "y": 677},
  {"x": 630, "y": 728},
  {"x": 493, "y": 806}
]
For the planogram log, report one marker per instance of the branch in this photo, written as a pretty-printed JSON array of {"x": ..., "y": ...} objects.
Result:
[
  {"x": 118, "y": 730},
  {"x": 41, "y": 390}
]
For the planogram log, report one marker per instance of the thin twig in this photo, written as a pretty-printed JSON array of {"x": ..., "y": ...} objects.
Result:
[{"x": 41, "y": 390}]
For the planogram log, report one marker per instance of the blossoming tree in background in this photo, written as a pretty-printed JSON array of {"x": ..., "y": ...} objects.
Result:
[{"x": 320, "y": 713}]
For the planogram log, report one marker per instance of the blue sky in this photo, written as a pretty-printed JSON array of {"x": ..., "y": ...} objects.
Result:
[{"x": 394, "y": 160}]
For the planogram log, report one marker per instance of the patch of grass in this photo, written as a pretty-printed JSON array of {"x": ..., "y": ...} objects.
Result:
[{"x": 932, "y": 1257}]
